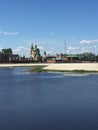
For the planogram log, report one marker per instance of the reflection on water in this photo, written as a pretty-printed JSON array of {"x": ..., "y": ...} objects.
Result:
[
  {"x": 47, "y": 101},
  {"x": 20, "y": 70}
]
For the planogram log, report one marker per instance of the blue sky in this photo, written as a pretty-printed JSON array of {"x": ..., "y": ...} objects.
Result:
[{"x": 49, "y": 23}]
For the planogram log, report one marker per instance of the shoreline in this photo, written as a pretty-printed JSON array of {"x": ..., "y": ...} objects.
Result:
[
  {"x": 73, "y": 67},
  {"x": 59, "y": 67},
  {"x": 22, "y": 65}
]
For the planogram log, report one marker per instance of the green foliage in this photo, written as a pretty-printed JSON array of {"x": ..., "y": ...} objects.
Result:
[
  {"x": 37, "y": 69},
  {"x": 7, "y": 52},
  {"x": 96, "y": 57},
  {"x": 87, "y": 57}
]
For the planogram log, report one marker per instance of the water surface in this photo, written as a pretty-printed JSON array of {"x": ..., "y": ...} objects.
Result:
[{"x": 48, "y": 101}]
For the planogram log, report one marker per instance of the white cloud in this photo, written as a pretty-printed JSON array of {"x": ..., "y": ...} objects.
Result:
[
  {"x": 70, "y": 48},
  {"x": 51, "y": 51},
  {"x": 22, "y": 50},
  {"x": 0, "y": 48},
  {"x": 10, "y": 33},
  {"x": 73, "y": 49},
  {"x": 82, "y": 49},
  {"x": 88, "y": 41},
  {"x": 41, "y": 48},
  {"x": 29, "y": 43}
]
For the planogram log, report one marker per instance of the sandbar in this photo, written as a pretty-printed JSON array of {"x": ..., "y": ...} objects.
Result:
[{"x": 57, "y": 66}]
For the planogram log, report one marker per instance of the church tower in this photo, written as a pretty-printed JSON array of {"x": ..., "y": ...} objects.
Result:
[{"x": 35, "y": 53}]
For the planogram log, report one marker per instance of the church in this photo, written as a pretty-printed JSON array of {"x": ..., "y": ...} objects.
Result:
[{"x": 35, "y": 53}]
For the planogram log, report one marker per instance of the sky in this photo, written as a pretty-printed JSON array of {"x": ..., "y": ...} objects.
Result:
[{"x": 56, "y": 26}]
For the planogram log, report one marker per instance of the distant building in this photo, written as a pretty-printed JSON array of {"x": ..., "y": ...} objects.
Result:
[
  {"x": 35, "y": 54},
  {"x": 51, "y": 59},
  {"x": 60, "y": 56},
  {"x": 72, "y": 57},
  {"x": 15, "y": 57}
]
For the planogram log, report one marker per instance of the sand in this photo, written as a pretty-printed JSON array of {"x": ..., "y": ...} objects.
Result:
[
  {"x": 58, "y": 66},
  {"x": 73, "y": 66},
  {"x": 22, "y": 65}
]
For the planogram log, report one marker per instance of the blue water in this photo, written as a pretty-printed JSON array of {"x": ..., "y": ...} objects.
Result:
[{"x": 48, "y": 101}]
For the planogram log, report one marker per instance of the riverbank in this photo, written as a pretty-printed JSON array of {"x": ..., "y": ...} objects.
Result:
[
  {"x": 63, "y": 67},
  {"x": 23, "y": 65},
  {"x": 82, "y": 67}
]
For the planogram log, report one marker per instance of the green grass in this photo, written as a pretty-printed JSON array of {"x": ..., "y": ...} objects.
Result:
[
  {"x": 37, "y": 69},
  {"x": 76, "y": 71}
]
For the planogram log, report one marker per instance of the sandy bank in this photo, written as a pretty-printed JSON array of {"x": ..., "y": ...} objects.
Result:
[
  {"x": 58, "y": 66},
  {"x": 22, "y": 65},
  {"x": 73, "y": 66}
]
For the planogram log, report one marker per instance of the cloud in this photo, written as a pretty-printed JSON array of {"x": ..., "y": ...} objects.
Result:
[
  {"x": 0, "y": 48},
  {"x": 70, "y": 48},
  {"x": 73, "y": 49},
  {"x": 79, "y": 50},
  {"x": 51, "y": 51},
  {"x": 29, "y": 43},
  {"x": 21, "y": 50},
  {"x": 9, "y": 33},
  {"x": 41, "y": 48},
  {"x": 88, "y": 41}
]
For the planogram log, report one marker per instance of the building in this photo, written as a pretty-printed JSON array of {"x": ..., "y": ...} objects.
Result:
[
  {"x": 51, "y": 59},
  {"x": 60, "y": 56},
  {"x": 73, "y": 58},
  {"x": 15, "y": 58},
  {"x": 35, "y": 54}
]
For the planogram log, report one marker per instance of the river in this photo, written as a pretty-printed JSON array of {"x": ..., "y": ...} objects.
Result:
[{"x": 48, "y": 101}]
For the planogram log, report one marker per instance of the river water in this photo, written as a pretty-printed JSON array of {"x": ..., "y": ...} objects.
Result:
[{"x": 48, "y": 101}]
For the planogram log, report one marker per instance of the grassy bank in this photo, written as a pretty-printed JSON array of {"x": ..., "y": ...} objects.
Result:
[
  {"x": 40, "y": 69},
  {"x": 37, "y": 69},
  {"x": 63, "y": 67}
]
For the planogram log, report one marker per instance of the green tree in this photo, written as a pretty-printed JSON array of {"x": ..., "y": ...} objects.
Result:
[
  {"x": 87, "y": 56},
  {"x": 6, "y": 53},
  {"x": 97, "y": 57}
]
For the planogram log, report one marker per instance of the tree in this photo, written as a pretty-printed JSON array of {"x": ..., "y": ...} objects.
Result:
[
  {"x": 97, "y": 57},
  {"x": 88, "y": 56},
  {"x": 6, "y": 53}
]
